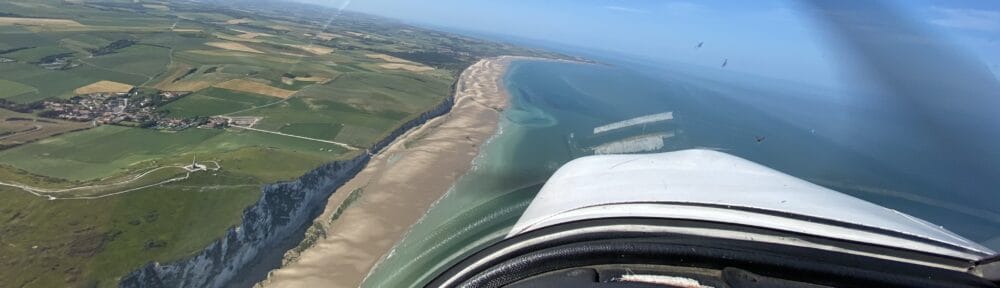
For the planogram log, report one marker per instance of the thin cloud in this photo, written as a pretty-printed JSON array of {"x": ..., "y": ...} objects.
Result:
[
  {"x": 969, "y": 19},
  {"x": 683, "y": 6},
  {"x": 626, "y": 9}
]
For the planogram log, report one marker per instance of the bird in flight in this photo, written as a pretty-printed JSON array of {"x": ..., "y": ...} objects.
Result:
[
  {"x": 725, "y": 62},
  {"x": 700, "y": 44}
]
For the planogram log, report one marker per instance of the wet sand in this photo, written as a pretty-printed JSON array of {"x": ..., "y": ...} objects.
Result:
[{"x": 399, "y": 185}]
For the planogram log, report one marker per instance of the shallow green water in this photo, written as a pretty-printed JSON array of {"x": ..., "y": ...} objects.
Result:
[{"x": 835, "y": 141}]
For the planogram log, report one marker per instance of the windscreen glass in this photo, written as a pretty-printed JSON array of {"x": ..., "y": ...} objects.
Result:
[{"x": 338, "y": 143}]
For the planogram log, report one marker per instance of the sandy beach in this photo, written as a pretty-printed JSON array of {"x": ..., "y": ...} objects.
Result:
[{"x": 399, "y": 185}]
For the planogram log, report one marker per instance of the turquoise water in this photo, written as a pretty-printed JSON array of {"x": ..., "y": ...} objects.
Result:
[{"x": 850, "y": 144}]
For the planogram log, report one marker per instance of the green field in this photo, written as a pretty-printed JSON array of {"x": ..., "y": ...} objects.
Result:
[
  {"x": 107, "y": 150},
  {"x": 91, "y": 154},
  {"x": 295, "y": 85},
  {"x": 91, "y": 243},
  {"x": 314, "y": 130},
  {"x": 14, "y": 91},
  {"x": 282, "y": 63},
  {"x": 82, "y": 42},
  {"x": 138, "y": 59},
  {"x": 61, "y": 83},
  {"x": 20, "y": 37},
  {"x": 216, "y": 101},
  {"x": 34, "y": 54},
  {"x": 95, "y": 241},
  {"x": 362, "y": 106},
  {"x": 20, "y": 128}
]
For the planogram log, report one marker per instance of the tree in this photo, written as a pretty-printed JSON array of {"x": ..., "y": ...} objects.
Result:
[{"x": 48, "y": 114}]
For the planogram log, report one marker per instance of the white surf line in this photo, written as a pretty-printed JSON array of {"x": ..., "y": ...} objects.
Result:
[
  {"x": 666, "y": 116},
  {"x": 345, "y": 146},
  {"x": 643, "y": 143},
  {"x": 429, "y": 251}
]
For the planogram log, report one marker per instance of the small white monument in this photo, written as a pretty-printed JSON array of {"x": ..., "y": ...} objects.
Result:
[{"x": 195, "y": 166}]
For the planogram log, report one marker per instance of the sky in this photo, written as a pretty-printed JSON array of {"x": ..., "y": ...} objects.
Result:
[{"x": 773, "y": 38}]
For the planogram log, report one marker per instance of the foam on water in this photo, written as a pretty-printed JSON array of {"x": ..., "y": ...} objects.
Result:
[{"x": 555, "y": 107}]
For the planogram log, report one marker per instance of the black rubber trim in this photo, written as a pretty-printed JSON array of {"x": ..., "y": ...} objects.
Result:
[
  {"x": 773, "y": 260},
  {"x": 808, "y": 218},
  {"x": 651, "y": 252}
]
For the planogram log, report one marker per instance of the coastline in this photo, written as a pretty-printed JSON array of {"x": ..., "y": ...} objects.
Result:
[{"x": 366, "y": 216}]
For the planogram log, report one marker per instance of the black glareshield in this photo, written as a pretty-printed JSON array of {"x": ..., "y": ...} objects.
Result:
[{"x": 629, "y": 244}]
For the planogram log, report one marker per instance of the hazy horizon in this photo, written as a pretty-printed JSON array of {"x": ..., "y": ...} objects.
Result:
[{"x": 772, "y": 38}]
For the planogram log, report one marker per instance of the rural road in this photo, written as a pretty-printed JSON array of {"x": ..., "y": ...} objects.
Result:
[
  {"x": 345, "y": 146},
  {"x": 43, "y": 192},
  {"x": 33, "y": 129}
]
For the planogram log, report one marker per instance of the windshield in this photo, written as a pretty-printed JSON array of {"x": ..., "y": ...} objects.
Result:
[{"x": 375, "y": 143}]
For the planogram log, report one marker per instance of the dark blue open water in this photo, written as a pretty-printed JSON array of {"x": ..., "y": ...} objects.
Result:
[{"x": 849, "y": 142}]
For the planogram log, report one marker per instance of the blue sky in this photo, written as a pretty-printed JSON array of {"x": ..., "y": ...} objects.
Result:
[{"x": 767, "y": 37}]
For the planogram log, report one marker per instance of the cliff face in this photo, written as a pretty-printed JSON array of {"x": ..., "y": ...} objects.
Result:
[{"x": 284, "y": 208}]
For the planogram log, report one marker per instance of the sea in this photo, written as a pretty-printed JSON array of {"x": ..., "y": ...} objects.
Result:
[{"x": 850, "y": 141}]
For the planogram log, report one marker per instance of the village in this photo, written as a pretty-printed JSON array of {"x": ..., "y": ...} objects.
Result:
[{"x": 134, "y": 108}]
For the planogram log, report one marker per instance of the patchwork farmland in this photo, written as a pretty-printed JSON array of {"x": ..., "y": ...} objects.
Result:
[{"x": 102, "y": 104}]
